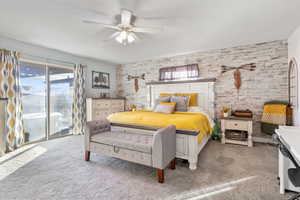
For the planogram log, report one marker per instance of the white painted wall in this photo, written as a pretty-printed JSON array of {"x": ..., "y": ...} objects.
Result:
[
  {"x": 294, "y": 52},
  {"x": 52, "y": 55}
]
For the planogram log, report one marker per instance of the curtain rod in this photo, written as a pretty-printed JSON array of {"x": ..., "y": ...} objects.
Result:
[{"x": 44, "y": 58}]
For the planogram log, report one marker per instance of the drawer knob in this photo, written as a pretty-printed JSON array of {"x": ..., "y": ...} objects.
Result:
[{"x": 235, "y": 124}]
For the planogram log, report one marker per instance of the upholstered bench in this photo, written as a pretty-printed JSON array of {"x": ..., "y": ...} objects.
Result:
[{"x": 157, "y": 150}]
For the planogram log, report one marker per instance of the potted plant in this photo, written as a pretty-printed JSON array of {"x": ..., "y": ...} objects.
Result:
[
  {"x": 132, "y": 107},
  {"x": 216, "y": 132}
]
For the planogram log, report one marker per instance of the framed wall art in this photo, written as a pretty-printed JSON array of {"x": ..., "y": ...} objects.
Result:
[{"x": 100, "y": 80}]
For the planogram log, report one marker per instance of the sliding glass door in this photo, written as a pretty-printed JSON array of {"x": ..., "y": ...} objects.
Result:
[
  {"x": 47, "y": 97},
  {"x": 61, "y": 99},
  {"x": 34, "y": 93}
]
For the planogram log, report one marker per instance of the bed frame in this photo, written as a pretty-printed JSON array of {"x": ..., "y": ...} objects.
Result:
[{"x": 187, "y": 146}]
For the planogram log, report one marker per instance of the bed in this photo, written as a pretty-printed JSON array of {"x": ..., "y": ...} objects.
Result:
[{"x": 193, "y": 127}]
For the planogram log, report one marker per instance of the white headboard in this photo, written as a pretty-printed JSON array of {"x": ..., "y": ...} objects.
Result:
[{"x": 204, "y": 88}]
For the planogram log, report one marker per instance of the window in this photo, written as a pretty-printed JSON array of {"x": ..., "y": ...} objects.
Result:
[
  {"x": 185, "y": 72},
  {"x": 47, "y": 97}
]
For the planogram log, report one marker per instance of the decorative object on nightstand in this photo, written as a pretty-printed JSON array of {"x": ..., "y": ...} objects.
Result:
[
  {"x": 237, "y": 128},
  {"x": 225, "y": 111},
  {"x": 242, "y": 113},
  {"x": 132, "y": 107}
]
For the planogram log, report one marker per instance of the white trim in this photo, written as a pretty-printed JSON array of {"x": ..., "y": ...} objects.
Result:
[{"x": 46, "y": 64}]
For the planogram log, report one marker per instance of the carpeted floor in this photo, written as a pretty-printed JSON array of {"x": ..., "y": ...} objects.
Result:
[{"x": 56, "y": 170}]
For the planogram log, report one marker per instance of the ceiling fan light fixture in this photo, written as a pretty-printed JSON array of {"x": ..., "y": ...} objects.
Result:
[
  {"x": 119, "y": 39},
  {"x": 124, "y": 35},
  {"x": 131, "y": 37}
]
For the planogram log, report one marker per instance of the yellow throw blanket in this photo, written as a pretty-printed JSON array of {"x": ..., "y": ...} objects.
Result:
[
  {"x": 182, "y": 120},
  {"x": 274, "y": 114}
]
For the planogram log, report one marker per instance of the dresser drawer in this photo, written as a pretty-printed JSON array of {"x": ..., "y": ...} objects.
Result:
[
  {"x": 116, "y": 103},
  {"x": 100, "y": 115},
  {"x": 101, "y": 104},
  {"x": 116, "y": 109},
  {"x": 236, "y": 125},
  {"x": 122, "y": 153}
]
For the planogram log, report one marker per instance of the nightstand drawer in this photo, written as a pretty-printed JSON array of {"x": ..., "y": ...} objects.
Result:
[{"x": 236, "y": 125}]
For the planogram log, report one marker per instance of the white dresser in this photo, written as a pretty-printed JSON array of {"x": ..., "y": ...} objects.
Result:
[
  {"x": 100, "y": 108},
  {"x": 2, "y": 125}
]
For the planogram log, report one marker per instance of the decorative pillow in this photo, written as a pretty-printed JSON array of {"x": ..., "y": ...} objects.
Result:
[
  {"x": 182, "y": 103},
  {"x": 164, "y": 103},
  {"x": 167, "y": 108},
  {"x": 193, "y": 98},
  {"x": 165, "y": 94},
  {"x": 160, "y": 100}
]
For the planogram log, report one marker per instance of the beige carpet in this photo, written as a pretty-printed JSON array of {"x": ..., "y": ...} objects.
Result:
[{"x": 56, "y": 170}]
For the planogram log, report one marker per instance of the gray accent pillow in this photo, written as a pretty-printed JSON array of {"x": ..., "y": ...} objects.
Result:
[
  {"x": 182, "y": 103},
  {"x": 161, "y": 100},
  {"x": 164, "y": 108}
]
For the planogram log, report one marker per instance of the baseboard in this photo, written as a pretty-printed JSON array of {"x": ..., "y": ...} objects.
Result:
[{"x": 263, "y": 140}]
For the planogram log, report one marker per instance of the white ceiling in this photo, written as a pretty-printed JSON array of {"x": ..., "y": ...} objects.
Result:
[{"x": 188, "y": 25}]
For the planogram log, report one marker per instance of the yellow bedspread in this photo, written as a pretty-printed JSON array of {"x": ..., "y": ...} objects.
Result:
[{"x": 182, "y": 120}]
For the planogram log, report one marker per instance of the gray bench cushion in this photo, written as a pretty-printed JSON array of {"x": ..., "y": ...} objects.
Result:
[{"x": 136, "y": 142}]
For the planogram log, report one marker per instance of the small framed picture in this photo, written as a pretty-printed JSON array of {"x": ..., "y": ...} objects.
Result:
[{"x": 100, "y": 80}]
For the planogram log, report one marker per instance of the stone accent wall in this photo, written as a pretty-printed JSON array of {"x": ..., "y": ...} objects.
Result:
[{"x": 267, "y": 82}]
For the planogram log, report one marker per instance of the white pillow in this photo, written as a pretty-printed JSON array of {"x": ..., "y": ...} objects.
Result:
[{"x": 164, "y": 108}]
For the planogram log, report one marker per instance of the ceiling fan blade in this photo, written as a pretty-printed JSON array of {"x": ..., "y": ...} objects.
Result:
[
  {"x": 155, "y": 18},
  {"x": 116, "y": 34},
  {"x": 111, "y": 37},
  {"x": 126, "y": 17},
  {"x": 100, "y": 23},
  {"x": 146, "y": 29}
]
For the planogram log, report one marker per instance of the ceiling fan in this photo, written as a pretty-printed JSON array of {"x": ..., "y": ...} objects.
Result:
[{"x": 126, "y": 31}]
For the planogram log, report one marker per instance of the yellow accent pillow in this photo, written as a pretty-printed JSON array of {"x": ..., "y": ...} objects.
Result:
[
  {"x": 167, "y": 103},
  {"x": 165, "y": 95},
  {"x": 193, "y": 98}
]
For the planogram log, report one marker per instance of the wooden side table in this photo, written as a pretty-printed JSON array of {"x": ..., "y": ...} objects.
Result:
[{"x": 239, "y": 124}]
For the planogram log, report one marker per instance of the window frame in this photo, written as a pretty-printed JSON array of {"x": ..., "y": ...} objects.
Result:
[
  {"x": 47, "y": 66},
  {"x": 293, "y": 85},
  {"x": 171, "y": 73}
]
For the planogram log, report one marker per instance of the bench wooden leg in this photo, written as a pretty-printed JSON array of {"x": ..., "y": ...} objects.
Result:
[
  {"x": 160, "y": 175},
  {"x": 172, "y": 164},
  {"x": 87, "y": 155}
]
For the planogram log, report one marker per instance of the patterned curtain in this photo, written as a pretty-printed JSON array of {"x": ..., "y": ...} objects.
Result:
[
  {"x": 10, "y": 89},
  {"x": 79, "y": 100}
]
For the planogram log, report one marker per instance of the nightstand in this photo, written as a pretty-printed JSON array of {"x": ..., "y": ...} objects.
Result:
[{"x": 238, "y": 124}]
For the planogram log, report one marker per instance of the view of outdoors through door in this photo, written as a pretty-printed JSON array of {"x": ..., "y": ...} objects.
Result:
[
  {"x": 61, "y": 95},
  {"x": 47, "y": 97},
  {"x": 34, "y": 92}
]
